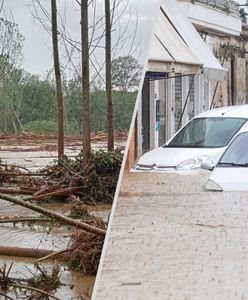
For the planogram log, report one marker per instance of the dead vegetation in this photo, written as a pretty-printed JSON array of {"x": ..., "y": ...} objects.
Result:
[
  {"x": 40, "y": 286},
  {"x": 85, "y": 252},
  {"x": 31, "y": 138},
  {"x": 80, "y": 187},
  {"x": 48, "y": 280},
  {"x": 4, "y": 276},
  {"x": 81, "y": 211},
  {"x": 71, "y": 182},
  {"x": 83, "y": 255},
  {"x": 93, "y": 184}
]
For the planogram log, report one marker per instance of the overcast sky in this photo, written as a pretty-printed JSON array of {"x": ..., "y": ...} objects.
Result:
[{"x": 37, "y": 45}]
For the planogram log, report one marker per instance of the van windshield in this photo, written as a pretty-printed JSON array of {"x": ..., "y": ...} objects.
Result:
[
  {"x": 236, "y": 154},
  {"x": 212, "y": 132}
]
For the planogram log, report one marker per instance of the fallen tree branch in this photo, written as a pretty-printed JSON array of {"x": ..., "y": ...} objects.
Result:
[
  {"x": 20, "y": 286},
  {"x": 61, "y": 192},
  {"x": 54, "y": 215},
  {"x": 15, "y": 191},
  {"x": 22, "y": 174},
  {"x": 6, "y": 296},
  {"x": 24, "y": 252},
  {"x": 52, "y": 255},
  {"x": 39, "y": 254},
  {"x": 30, "y": 189}
]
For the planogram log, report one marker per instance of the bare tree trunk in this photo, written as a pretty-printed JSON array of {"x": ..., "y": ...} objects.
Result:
[
  {"x": 5, "y": 116},
  {"x": 54, "y": 215},
  {"x": 85, "y": 84},
  {"x": 59, "y": 95},
  {"x": 108, "y": 72},
  {"x": 24, "y": 252}
]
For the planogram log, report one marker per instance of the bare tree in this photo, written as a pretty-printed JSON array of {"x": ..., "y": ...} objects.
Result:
[
  {"x": 108, "y": 76},
  {"x": 59, "y": 95},
  {"x": 102, "y": 27},
  {"x": 85, "y": 83}
]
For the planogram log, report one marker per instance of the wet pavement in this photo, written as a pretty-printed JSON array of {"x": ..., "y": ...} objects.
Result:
[{"x": 172, "y": 240}]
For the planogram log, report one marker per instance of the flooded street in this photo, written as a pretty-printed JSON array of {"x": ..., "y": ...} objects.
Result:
[
  {"x": 170, "y": 239},
  {"x": 39, "y": 236}
]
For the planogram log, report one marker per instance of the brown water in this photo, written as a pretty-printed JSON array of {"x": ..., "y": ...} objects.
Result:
[
  {"x": 83, "y": 285},
  {"x": 44, "y": 237}
]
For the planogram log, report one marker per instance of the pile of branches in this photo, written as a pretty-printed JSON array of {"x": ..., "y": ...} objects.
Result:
[
  {"x": 80, "y": 211},
  {"x": 42, "y": 285},
  {"x": 46, "y": 280},
  {"x": 94, "y": 183},
  {"x": 86, "y": 249}
]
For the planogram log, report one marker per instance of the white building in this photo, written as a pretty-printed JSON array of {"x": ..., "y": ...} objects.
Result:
[{"x": 184, "y": 76}]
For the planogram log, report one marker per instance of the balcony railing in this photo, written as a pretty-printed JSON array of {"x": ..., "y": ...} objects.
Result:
[{"x": 229, "y": 6}]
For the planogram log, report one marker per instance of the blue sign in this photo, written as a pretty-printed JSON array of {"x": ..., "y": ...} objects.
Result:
[{"x": 156, "y": 75}]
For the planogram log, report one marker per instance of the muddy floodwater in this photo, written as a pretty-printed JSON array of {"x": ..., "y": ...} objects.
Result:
[
  {"x": 43, "y": 237},
  {"x": 170, "y": 239},
  {"x": 82, "y": 285},
  {"x": 38, "y": 236}
]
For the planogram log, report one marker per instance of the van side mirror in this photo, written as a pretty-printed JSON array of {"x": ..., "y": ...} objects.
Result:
[{"x": 207, "y": 165}]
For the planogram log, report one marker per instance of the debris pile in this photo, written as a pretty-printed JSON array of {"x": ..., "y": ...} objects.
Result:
[
  {"x": 48, "y": 280},
  {"x": 67, "y": 181},
  {"x": 93, "y": 184},
  {"x": 80, "y": 211},
  {"x": 85, "y": 252},
  {"x": 41, "y": 285},
  {"x": 30, "y": 137}
]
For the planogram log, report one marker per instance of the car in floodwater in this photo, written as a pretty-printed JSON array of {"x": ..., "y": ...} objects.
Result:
[
  {"x": 204, "y": 138},
  {"x": 231, "y": 171}
]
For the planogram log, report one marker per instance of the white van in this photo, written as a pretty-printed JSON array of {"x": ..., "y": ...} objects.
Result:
[
  {"x": 204, "y": 138},
  {"x": 231, "y": 172}
]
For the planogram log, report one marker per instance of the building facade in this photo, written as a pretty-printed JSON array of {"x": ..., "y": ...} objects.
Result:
[{"x": 198, "y": 61}]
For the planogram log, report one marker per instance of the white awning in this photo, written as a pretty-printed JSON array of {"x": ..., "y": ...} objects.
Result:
[
  {"x": 177, "y": 43},
  {"x": 169, "y": 52}
]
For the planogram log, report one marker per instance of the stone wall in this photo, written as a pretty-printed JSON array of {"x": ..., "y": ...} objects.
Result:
[{"x": 231, "y": 52}]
